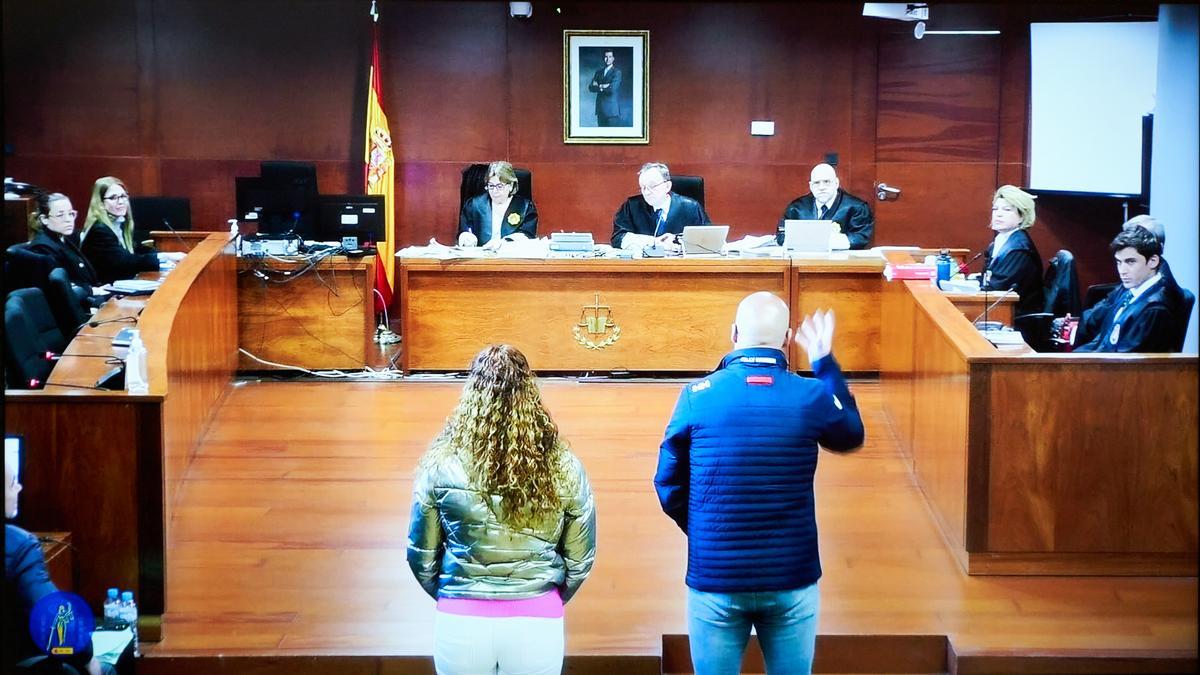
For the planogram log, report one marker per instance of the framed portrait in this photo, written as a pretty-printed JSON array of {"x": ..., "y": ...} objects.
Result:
[{"x": 606, "y": 86}]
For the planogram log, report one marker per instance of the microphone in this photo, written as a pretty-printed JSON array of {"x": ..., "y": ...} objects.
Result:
[
  {"x": 987, "y": 308},
  {"x": 51, "y": 356},
  {"x": 962, "y": 269},
  {"x": 182, "y": 241},
  {"x": 35, "y": 383},
  {"x": 132, "y": 318}
]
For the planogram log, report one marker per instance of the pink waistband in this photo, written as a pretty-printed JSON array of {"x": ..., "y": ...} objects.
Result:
[{"x": 545, "y": 606}]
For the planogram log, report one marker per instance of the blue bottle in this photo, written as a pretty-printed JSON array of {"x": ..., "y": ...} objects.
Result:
[{"x": 945, "y": 265}]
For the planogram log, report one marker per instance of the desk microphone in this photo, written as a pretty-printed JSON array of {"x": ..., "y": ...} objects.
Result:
[
  {"x": 988, "y": 308},
  {"x": 962, "y": 269},
  {"x": 35, "y": 383},
  {"x": 182, "y": 241},
  {"x": 51, "y": 356},
  {"x": 92, "y": 324}
]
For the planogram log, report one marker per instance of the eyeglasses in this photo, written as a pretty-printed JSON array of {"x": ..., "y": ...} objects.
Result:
[
  {"x": 117, "y": 198},
  {"x": 652, "y": 188},
  {"x": 825, "y": 181},
  {"x": 496, "y": 186},
  {"x": 65, "y": 214}
]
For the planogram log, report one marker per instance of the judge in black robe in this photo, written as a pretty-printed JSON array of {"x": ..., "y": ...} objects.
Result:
[{"x": 636, "y": 216}]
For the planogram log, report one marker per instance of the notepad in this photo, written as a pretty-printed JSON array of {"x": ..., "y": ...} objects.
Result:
[{"x": 133, "y": 286}]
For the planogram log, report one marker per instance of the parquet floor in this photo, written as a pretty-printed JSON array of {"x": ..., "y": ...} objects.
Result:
[{"x": 289, "y": 537}]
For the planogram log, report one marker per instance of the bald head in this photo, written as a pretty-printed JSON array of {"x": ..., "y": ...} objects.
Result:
[
  {"x": 762, "y": 321},
  {"x": 823, "y": 182}
]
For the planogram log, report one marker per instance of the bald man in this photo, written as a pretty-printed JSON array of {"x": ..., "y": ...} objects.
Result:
[
  {"x": 735, "y": 472},
  {"x": 828, "y": 201}
]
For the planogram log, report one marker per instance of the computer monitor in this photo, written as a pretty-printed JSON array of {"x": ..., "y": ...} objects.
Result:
[
  {"x": 279, "y": 208},
  {"x": 159, "y": 213},
  {"x": 14, "y": 451},
  {"x": 343, "y": 216}
]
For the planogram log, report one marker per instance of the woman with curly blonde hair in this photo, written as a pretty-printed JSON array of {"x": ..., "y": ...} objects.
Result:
[{"x": 503, "y": 528}]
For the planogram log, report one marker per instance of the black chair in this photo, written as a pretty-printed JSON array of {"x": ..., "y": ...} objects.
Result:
[
  {"x": 159, "y": 213},
  {"x": 1095, "y": 293},
  {"x": 30, "y": 331},
  {"x": 45, "y": 665},
  {"x": 1062, "y": 286},
  {"x": 25, "y": 269},
  {"x": 1189, "y": 301},
  {"x": 1061, "y": 289},
  {"x": 68, "y": 303},
  {"x": 689, "y": 186}
]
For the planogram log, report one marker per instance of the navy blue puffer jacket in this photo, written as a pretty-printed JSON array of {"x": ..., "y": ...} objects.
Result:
[{"x": 736, "y": 466}]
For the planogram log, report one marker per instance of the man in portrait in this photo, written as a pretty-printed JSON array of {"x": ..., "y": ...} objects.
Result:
[{"x": 606, "y": 84}]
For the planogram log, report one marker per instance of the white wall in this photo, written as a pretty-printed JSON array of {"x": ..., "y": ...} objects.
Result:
[{"x": 1175, "y": 167}]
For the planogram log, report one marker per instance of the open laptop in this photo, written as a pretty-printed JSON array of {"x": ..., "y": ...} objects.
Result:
[
  {"x": 807, "y": 236},
  {"x": 704, "y": 239}
]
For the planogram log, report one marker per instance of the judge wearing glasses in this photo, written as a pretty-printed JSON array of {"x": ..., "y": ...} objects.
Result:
[
  {"x": 499, "y": 214},
  {"x": 52, "y": 234},
  {"x": 108, "y": 235},
  {"x": 657, "y": 216}
]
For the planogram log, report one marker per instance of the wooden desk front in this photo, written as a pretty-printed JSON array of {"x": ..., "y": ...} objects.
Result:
[
  {"x": 1043, "y": 463},
  {"x": 578, "y": 315},
  {"x": 317, "y": 319},
  {"x": 106, "y": 465},
  {"x": 672, "y": 314}
]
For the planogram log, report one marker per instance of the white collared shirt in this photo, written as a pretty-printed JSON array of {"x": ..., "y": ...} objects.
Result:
[
  {"x": 497, "y": 224},
  {"x": 1137, "y": 291},
  {"x": 1001, "y": 241}
]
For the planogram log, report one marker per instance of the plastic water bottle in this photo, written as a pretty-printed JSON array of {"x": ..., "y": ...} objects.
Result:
[
  {"x": 944, "y": 265},
  {"x": 129, "y": 613},
  {"x": 112, "y": 608},
  {"x": 136, "y": 380}
]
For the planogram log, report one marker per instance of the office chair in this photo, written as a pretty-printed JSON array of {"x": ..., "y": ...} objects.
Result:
[
  {"x": 24, "y": 268},
  {"x": 67, "y": 303},
  {"x": 1062, "y": 286},
  {"x": 30, "y": 331},
  {"x": 1189, "y": 301},
  {"x": 44, "y": 665},
  {"x": 1095, "y": 293},
  {"x": 159, "y": 213},
  {"x": 1061, "y": 290},
  {"x": 689, "y": 186}
]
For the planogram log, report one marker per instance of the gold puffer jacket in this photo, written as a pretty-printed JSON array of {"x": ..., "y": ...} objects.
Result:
[{"x": 460, "y": 547}]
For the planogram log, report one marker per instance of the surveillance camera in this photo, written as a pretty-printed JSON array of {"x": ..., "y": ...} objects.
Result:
[{"x": 919, "y": 30}]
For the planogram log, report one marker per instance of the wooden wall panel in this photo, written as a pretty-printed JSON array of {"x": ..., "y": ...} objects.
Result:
[{"x": 178, "y": 97}]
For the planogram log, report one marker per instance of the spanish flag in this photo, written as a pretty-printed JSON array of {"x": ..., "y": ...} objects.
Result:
[{"x": 378, "y": 176}]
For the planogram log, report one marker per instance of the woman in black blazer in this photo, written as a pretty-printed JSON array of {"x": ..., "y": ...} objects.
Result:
[
  {"x": 499, "y": 214},
  {"x": 52, "y": 234},
  {"x": 1011, "y": 261},
  {"x": 108, "y": 235}
]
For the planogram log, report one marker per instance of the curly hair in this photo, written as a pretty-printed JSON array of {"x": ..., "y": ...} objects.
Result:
[{"x": 505, "y": 439}]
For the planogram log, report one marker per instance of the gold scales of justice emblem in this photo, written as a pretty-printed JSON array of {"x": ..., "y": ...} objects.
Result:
[{"x": 597, "y": 322}]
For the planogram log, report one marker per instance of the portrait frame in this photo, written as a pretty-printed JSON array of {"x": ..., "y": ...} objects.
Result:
[{"x": 603, "y": 104}]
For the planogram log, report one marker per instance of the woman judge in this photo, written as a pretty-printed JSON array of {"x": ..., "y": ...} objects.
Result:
[
  {"x": 1011, "y": 261},
  {"x": 52, "y": 234},
  {"x": 503, "y": 526},
  {"x": 108, "y": 235},
  {"x": 499, "y": 214}
]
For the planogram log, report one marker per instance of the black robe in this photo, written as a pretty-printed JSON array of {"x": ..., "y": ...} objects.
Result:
[
  {"x": 110, "y": 258},
  {"x": 1019, "y": 267},
  {"x": 66, "y": 254},
  {"x": 636, "y": 216},
  {"x": 1148, "y": 324},
  {"x": 476, "y": 217},
  {"x": 849, "y": 212}
]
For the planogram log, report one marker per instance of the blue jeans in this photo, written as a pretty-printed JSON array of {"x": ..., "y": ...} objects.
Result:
[{"x": 786, "y": 623}]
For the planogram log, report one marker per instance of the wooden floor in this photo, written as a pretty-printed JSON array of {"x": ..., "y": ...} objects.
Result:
[{"x": 290, "y": 531}]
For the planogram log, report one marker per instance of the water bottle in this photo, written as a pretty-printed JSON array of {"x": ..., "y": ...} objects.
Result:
[
  {"x": 129, "y": 613},
  {"x": 944, "y": 265},
  {"x": 112, "y": 609},
  {"x": 136, "y": 381}
]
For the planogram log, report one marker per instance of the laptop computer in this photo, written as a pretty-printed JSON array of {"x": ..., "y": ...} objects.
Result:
[
  {"x": 807, "y": 236},
  {"x": 704, "y": 239}
]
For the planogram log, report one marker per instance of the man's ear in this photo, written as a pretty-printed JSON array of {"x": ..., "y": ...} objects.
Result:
[
  {"x": 787, "y": 339},
  {"x": 1156, "y": 260},
  {"x": 733, "y": 335}
]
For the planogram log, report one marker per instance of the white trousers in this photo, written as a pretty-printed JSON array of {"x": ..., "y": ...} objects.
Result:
[{"x": 519, "y": 645}]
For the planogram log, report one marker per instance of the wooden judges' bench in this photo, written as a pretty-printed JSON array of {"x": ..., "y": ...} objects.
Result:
[
  {"x": 664, "y": 315},
  {"x": 105, "y": 465}
]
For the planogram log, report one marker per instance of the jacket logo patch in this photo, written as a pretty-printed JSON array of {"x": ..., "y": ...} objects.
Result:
[
  {"x": 760, "y": 379},
  {"x": 701, "y": 386},
  {"x": 837, "y": 402}
]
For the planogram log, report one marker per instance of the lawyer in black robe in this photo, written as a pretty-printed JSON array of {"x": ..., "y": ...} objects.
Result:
[
  {"x": 65, "y": 252},
  {"x": 1019, "y": 268},
  {"x": 111, "y": 259},
  {"x": 1150, "y": 323}
]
